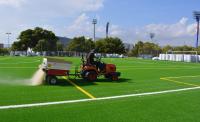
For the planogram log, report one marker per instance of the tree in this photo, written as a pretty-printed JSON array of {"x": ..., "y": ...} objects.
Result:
[
  {"x": 110, "y": 45},
  {"x": 151, "y": 48},
  {"x": 59, "y": 46},
  {"x": 4, "y": 51},
  {"x": 183, "y": 48},
  {"x": 17, "y": 46},
  {"x": 41, "y": 45},
  {"x": 81, "y": 44},
  {"x": 100, "y": 45},
  {"x": 167, "y": 48},
  {"x": 89, "y": 45},
  {"x": 145, "y": 48},
  {"x": 137, "y": 48},
  {"x": 30, "y": 38}
]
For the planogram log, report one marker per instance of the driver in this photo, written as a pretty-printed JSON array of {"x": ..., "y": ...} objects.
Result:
[
  {"x": 90, "y": 57},
  {"x": 91, "y": 61}
]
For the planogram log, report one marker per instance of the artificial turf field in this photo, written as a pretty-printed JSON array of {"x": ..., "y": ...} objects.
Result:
[{"x": 138, "y": 76}]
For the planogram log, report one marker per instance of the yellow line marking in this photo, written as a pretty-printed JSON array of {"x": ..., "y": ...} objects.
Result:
[
  {"x": 184, "y": 76},
  {"x": 166, "y": 79},
  {"x": 80, "y": 89}
]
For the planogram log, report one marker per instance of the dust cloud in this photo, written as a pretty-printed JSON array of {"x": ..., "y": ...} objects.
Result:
[{"x": 35, "y": 80}]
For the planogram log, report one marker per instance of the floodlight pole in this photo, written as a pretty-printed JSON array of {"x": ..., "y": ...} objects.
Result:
[
  {"x": 197, "y": 16},
  {"x": 8, "y": 34},
  {"x": 197, "y": 43},
  {"x": 94, "y": 22}
]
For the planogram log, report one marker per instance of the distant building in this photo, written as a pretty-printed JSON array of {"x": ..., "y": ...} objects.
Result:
[{"x": 1, "y": 45}]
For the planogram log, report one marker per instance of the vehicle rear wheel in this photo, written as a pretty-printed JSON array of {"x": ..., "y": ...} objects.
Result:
[
  {"x": 52, "y": 80},
  {"x": 91, "y": 76},
  {"x": 114, "y": 78}
]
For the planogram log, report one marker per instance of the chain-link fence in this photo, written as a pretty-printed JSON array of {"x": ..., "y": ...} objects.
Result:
[{"x": 62, "y": 54}]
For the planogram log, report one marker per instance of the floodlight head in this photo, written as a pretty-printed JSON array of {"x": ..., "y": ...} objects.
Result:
[
  {"x": 196, "y": 15},
  {"x": 94, "y": 21}
]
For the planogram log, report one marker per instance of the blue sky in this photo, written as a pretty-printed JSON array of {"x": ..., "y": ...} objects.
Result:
[
  {"x": 142, "y": 12},
  {"x": 131, "y": 20}
]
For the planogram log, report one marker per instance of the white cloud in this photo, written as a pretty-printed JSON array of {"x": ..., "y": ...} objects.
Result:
[
  {"x": 82, "y": 26},
  {"x": 66, "y": 5},
  {"x": 175, "y": 34},
  {"x": 60, "y": 8},
  {"x": 116, "y": 30},
  {"x": 20, "y": 14},
  {"x": 13, "y": 3},
  {"x": 56, "y": 15},
  {"x": 183, "y": 21},
  {"x": 86, "y": 5},
  {"x": 174, "y": 30},
  {"x": 178, "y": 33}
]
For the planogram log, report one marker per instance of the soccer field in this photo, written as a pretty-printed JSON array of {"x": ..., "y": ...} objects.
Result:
[{"x": 147, "y": 91}]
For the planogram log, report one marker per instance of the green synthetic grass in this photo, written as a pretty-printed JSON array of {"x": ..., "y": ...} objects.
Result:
[
  {"x": 138, "y": 76},
  {"x": 175, "y": 107},
  {"x": 21, "y": 68},
  {"x": 191, "y": 80}
]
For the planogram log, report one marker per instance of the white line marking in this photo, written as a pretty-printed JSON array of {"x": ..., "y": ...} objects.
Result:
[
  {"x": 96, "y": 99},
  {"x": 158, "y": 68},
  {"x": 168, "y": 66}
]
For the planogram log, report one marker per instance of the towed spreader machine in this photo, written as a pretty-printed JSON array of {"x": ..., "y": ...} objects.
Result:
[{"x": 90, "y": 69}]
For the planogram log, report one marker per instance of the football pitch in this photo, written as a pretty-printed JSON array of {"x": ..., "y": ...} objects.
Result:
[{"x": 147, "y": 91}]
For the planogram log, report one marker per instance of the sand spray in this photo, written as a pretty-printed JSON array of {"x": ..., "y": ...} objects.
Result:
[{"x": 37, "y": 78}]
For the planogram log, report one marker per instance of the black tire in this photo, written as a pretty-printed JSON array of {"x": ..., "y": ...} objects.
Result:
[
  {"x": 52, "y": 80},
  {"x": 91, "y": 76},
  {"x": 114, "y": 78},
  {"x": 107, "y": 76}
]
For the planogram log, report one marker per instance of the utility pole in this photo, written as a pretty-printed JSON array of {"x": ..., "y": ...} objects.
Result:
[
  {"x": 197, "y": 16},
  {"x": 94, "y": 22},
  {"x": 8, "y": 37}
]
